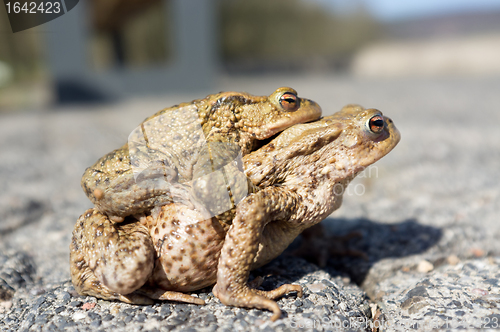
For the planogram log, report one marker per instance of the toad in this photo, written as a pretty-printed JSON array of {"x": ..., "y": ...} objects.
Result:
[
  {"x": 299, "y": 179},
  {"x": 185, "y": 142}
]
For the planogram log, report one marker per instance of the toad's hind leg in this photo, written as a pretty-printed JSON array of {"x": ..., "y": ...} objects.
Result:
[
  {"x": 109, "y": 260},
  {"x": 240, "y": 250}
]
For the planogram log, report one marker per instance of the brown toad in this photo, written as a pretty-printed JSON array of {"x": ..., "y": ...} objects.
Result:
[
  {"x": 300, "y": 175},
  {"x": 170, "y": 148}
]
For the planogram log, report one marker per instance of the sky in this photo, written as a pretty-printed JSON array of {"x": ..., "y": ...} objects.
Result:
[{"x": 390, "y": 10}]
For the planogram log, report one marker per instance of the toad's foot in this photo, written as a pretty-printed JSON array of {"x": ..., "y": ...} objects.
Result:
[
  {"x": 128, "y": 194},
  {"x": 254, "y": 298}
]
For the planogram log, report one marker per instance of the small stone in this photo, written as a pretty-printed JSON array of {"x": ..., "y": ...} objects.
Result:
[
  {"x": 79, "y": 315},
  {"x": 58, "y": 310},
  {"x": 477, "y": 252},
  {"x": 37, "y": 291},
  {"x": 150, "y": 311},
  {"x": 115, "y": 309},
  {"x": 73, "y": 292},
  {"x": 5, "y": 305},
  {"x": 479, "y": 291},
  {"x": 61, "y": 322},
  {"x": 174, "y": 321},
  {"x": 88, "y": 305},
  {"x": 75, "y": 303},
  {"x": 107, "y": 317},
  {"x": 417, "y": 291},
  {"x": 307, "y": 303},
  {"x": 411, "y": 301},
  {"x": 452, "y": 260},
  {"x": 318, "y": 287},
  {"x": 94, "y": 316},
  {"x": 328, "y": 283},
  {"x": 130, "y": 311},
  {"x": 140, "y": 318},
  {"x": 424, "y": 266},
  {"x": 165, "y": 312}
]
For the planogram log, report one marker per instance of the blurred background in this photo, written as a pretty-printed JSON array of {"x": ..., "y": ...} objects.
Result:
[{"x": 105, "y": 51}]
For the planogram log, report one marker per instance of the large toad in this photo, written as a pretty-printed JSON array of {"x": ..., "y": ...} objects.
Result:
[
  {"x": 300, "y": 177},
  {"x": 185, "y": 142}
]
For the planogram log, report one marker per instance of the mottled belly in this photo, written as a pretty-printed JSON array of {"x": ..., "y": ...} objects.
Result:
[{"x": 187, "y": 246}]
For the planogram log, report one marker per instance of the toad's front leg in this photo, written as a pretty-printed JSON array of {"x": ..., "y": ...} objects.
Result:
[{"x": 241, "y": 247}]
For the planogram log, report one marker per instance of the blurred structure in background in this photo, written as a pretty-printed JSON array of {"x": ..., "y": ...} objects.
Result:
[
  {"x": 104, "y": 50},
  {"x": 116, "y": 48},
  {"x": 440, "y": 45},
  {"x": 129, "y": 33},
  {"x": 278, "y": 35},
  {"x": 22, "y": 67}
]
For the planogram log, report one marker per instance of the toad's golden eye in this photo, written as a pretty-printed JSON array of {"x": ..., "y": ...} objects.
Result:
[
  {"x": 289, "y": 102},
  {"x": 376, "y": 124}
]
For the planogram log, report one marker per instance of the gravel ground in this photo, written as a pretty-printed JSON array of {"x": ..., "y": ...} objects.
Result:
[{"x": 428, "y": 215}]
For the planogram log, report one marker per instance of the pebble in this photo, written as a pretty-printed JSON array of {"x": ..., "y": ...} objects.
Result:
[
  {"x": 115, "y": 309},
  {"x": 107, "y": 317},
  {"x": 5, "y": 305},
  {"x": 317, "y": 287},
  {"x": 79, "y": 315},
  {"x": 479, "y": 291},
  {"x": 477, "y": 252},
  {"x": 452, "y": 260},
  {"x": 88, "y": 305},
  {"x": 75, "y": 303},
  {"x": 424, "y": 266},
  {"x": 93, "y": 315}
]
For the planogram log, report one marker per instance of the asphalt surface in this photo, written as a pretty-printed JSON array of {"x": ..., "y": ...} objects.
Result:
[{"x": 428, "y": 215}]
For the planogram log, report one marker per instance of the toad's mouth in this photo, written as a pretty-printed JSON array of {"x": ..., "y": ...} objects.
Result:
[{"x": 258, "y": 144}]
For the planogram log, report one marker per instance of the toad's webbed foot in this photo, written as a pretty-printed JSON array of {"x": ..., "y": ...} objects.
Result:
[{"x": 254, "y": 298}]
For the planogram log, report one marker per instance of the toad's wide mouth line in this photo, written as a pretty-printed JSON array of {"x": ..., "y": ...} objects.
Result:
[{"x": 260, "y": 143}]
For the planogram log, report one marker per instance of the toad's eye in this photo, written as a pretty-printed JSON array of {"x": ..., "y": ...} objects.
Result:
[
  {"x": 376, "y": 124},
  {"x": 289, "y": 102}
]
